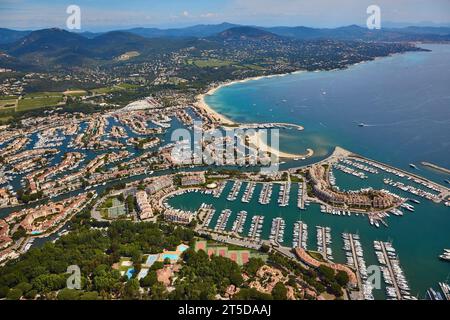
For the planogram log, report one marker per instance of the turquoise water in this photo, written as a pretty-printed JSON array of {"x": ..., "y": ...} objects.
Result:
[
  {"x": 130, "y": 272},
  {"x": 419, "y": 237},
  {"x": 182, "y": 247},
  {"x": 405, "y": 102},
  {"x": 171, "y": 256}
]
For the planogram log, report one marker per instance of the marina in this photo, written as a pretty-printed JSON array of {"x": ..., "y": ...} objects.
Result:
[
  {"x": 238, "y": 224},
  {"x": 397, "y": 287},
  {"x": 445, "y": 256},
  {"x": 355, "y": 259},
  {"x": 266, "y": 193},
  {"x": 205, "y": 214},
  {"x": 445, "y": 288},
  {"x": 300, "y": 237},
  {"x": 256, "y": 227},
  {"x": 217, "y": 192},
  {"x": 324, "y": 242},
  {"x": 350, "y": 171},
  {"x": 234, "y": 190},
  {"x": 223, "y": 220},
  {"x": 283, "y": 197},
  {"x": 413, "y": 190},
  {"x": 277, "y": 231},
  {"x": 248, "y": 193},
  {"x": 301, "y": 196}
]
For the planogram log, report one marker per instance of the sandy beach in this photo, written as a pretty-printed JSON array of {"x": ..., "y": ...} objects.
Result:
[{"x": 256, "y": 139}]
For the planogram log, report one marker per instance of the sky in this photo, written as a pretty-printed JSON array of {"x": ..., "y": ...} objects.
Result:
[{"x": 101, "y": 15}]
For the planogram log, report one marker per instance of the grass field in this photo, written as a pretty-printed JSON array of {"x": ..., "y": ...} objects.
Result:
[
  {"x": 8, "y": 97},
  {"x": 38, "y": 102},
  {"x": 216, "y": 63},
  {"x": 75, "y": 93},
  {"x": 210, "y": 63},
  {"x": 5, "y": 104}
]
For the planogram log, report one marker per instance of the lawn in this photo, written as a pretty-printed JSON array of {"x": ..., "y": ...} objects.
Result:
[
  {"x": 75, "y": 93},
  {"x": 38, "y": 102},
  {"x": 8, "y": 103},
  {"x": 106, "y": 90},
  {"x": 210, "y": 63}
]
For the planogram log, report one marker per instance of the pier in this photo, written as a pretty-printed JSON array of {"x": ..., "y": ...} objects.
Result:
[
  {"x": 283, "y": 198},
  {"x": 323, "y": 240},
  {"x": 397, "y": 286},
  {"x": 266, "y": 193},
  {"x": 301, "y": 195},
  {"x": 300, "y": 237},
  {"x": 222, "y": 220},
  {"x": 248, "y": 193},
  {"x": 238, "y": 224},
  {"x": 277, "y": 231},
  {"x": 391, "y": 270},
  {"x": 355, "y": 260},
  {"x": 234, "y": 190},
  {"x": 205, "y": 214},
  {"x": 255, "y": 228}
]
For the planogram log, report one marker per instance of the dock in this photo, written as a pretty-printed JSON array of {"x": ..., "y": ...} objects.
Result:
[
  {"x": 300, "y": 237},
  {"x": 248, "y": 193},
  {"x": 323, "y": 240},
  {"x": 283, "y": 198},
  {"x": 222, "y": 220},
  {"x": 266, "y": 193},
  {"x": 234, "y": 190},
  {"x": 391, "y": 270},
  {"x": 238, "y": 224},
  {"x": 301, "y": 195},
  {"x": 277, "y": 231},
  {"x": 255, "y": 228}
]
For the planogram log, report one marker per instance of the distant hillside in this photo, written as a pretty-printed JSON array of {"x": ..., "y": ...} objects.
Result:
[
  {"x": 354, "y": 32},
  {"x": 10, "y": 36},
  {"x": 60, "y": 48},
  {"x": 246, "y": 34},
  {"x": 57, "y": 48},
  {"x": 198, "y": 31}
]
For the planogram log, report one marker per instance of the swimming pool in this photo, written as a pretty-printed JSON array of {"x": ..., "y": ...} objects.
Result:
[
  {"x": 130, "y": 273},
  {"x": 182, "y": 247},
  {"x": 151, "y": 259},
  {"x": 143, "y": 273},
  {"x": 171, "y": 256}
]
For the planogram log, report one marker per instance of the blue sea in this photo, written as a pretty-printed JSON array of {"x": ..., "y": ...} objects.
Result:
[{"x": 404, "y": 102}]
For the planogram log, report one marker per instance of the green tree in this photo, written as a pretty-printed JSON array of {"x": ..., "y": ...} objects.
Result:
[
  {"x": 31, "y": 294},
  {"x": 279, "y": 291},
  {"x": 89, "y": 296},
  {"x": 131, "y": 290},
  {"x": 253, "y": 265},
  {"x": 342, "y": 278},
  {"x": 3, "y": 291},
  {"x": 14, "y": 294},
  {"x": 149, "y": 280},
  {"x": 68, "y": 294}
]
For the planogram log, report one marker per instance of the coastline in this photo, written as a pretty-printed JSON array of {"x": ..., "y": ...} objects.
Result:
[
  {"x": 225, "y": 121},
  {"x": 222, "y": 119}
]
